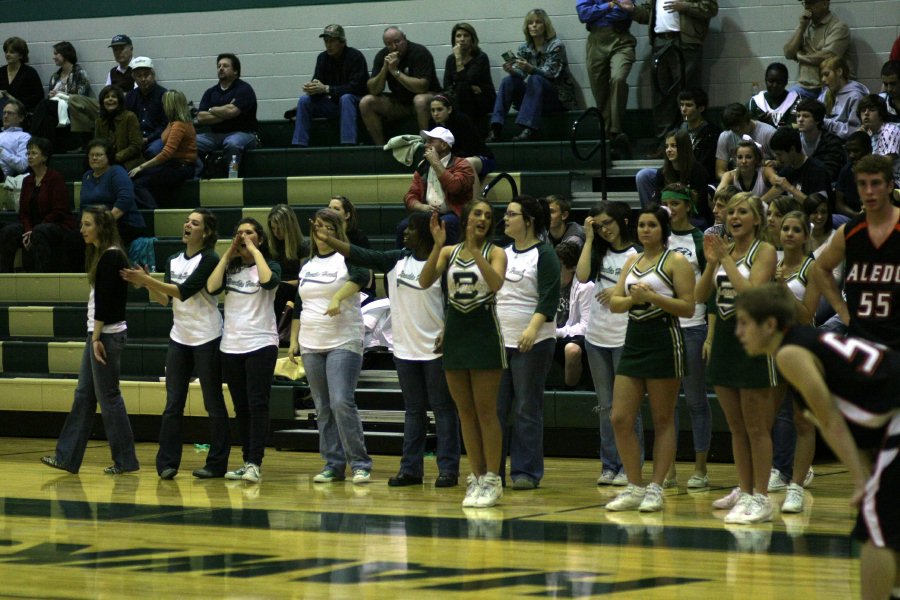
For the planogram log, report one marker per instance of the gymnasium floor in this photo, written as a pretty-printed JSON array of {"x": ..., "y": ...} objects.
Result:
[{"x": 134, "y": 536}]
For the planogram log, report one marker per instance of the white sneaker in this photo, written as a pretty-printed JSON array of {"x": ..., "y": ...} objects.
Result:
[
  {"x": 759, "y": 510},
  {"x": 697, "y": 482},
  {"x": 670, "y": 483},
  {"x": 620, "y": 479},
  {"x": 653, "y": 499},
  {"x": 606, "y": 477},
  {"x": 728, "y": 502},
  {"x": 237, "y": 474},
  {"x": 630, "y": 499},
  {"x": 491, "y": 491},
  {"x": 251, "y": 473},
  {"x": 793, "y": 501},
  {"x": 809, "y": 477},
  {"x": 739, "y": 510},
  {"x": 776, "y": 481},
  {"x": 473, "y": 486},
  {"x": 361, "y": 476}
]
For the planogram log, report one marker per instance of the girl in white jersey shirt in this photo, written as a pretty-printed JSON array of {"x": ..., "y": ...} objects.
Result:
[
  {"x": 417, "y": 318},
  {"x": 474, "y": 357},
  {"x": 193, "y": 344},
  {"x": 607, "y": 246},
  {"x": 526, "y": 306},
  {"x": 327, "y": 332},
  {"x": 249, "y": 343}
]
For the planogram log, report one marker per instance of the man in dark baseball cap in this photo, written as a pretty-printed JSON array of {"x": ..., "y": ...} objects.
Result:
[{"x": 123, "y": 51}]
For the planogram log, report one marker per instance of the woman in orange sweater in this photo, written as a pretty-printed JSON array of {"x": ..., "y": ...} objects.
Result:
[{"x": 155, "y": 179}]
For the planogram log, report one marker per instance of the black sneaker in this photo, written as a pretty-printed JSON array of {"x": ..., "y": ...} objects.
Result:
[
  {"x": 168, "y": 473},
  {"x": 51, "y": 461},
  {"x": 446, "y": 480},
  {"x": 117, "y": 470},
  {"x": 402, "y": 479},
  {"x": 205, "y": 473}
]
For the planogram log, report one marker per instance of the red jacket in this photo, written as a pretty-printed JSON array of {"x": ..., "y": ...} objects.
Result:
[
  {"x": 53, "y": 203},
  {"x": 457, "y": 182}
]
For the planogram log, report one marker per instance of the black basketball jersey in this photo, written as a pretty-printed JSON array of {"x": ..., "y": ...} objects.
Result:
[
  {"x": 872, "y": 284},
  {"x": 862, "y": 376}
]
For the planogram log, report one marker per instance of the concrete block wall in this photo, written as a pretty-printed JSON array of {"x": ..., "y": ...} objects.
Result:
[{"x": 278, "y": 46}]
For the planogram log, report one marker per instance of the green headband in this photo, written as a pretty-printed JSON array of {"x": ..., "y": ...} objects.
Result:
[{"x": 677, "y": 195}]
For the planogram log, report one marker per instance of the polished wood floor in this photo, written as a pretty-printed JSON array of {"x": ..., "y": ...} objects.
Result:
[{"x": 134, "y": 536}]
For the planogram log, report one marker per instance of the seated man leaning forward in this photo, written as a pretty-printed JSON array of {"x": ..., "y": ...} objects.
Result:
[
  {"x": 442, "y": 182},
  {"x": 407, "y": 69},
  {"x": 338, "y": 83},
  {"x": 229, "y": 109}
]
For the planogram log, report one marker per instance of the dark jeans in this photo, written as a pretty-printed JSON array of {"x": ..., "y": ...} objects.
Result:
[
  {"x": 423, "y": 384},
  {"x": 666, "y": 112},
  {"x": 249, "y": 379},
  {"x": 784, "y": 437},
  {"x": 181, "y": 361},
  {"x": 161, "y": 182},
  {"x": 533, "y": 96},
  {"x": 45, "y": 238},
  {"x": 98, "y": 383}
]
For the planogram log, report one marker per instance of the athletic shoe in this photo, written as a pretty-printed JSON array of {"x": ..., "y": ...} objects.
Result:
[
  {"x": 606, "y": 477},
  {"x": 446, "y": 480},
  {"x": 237, "y": 473},
  {"x": 776, "y": 481},
  {"x": 117, "y": 470},
  {"x": 473, "y": 487},
  {"x": 620, "y": 479},
  {"x": 51, "y": 461},
  {"x": 670, "y": 483},
  {"x": 491, "y": 491},
  {"x": 809, "y": 477},
  {"x": 402, "y": 479},
  {"x": 361, "y": 476},
  {"x": 630, "y": 499},
  {"x": 653, "y": 499},
  {"x": 524, "y": 483},
  {"x": 793, "y": 501},
  {"x": 251, "y": 473},
  {"x": 759, "y": 510},
  {"x": 168, "y": 473},
  {"x": 738, "y": 513},
  {"x": 326, "y": 476},
  {"x": 728, "y": 502},
  {"x": 697, "y": 482}
]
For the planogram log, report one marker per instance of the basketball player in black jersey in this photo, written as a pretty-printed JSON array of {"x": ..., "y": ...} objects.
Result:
[
  {"x": 849, "y": 387},
  {"x": 870, "y": 244}
]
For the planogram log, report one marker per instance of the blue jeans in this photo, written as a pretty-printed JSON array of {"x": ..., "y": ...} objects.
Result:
[
  {"x": 332, "y": 377},
  {"x": 520, "y": 409},
  {"x": 812, "y": 93},
  {"x": 232, "y": 144},
  {"x": 603, "y": 363},
  {"x": 533, "y": 96},
  {"x": 423, "y": 384},
  {"x": 694, "y": 386},
  {"x": 784, "y": 438},
  {"x": 321, "y": 105},
  {"x": 249, "y": 379},
  {"x": 451, "y": 226},
  {"x": 645, "y": 180},
  {"x": 98, "y": 383},
  {"x": 181, "y": 361}
]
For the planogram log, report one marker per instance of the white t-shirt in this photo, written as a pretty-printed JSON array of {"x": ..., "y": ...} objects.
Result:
[
  {"x": 519, "y": 298},
  {"x": 195, "y": 320},
  {"x": 666, "y": 22},
  {"x": 690, "y": 245},
  {"x": 605, "y": 328},
  {"x": 249, "y": 310},
  {"x": 417, "y": 315},
  {"x": 320, "y": 279}
]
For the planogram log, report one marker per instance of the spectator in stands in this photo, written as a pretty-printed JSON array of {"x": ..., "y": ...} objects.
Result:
[
  {"x": 68, "y": 84},
  {"x": 819, "y": 34},
  {"x": 846, "y": 200},
  {"x": 467, "y": 77},
  {"x": 289, "y": 248},
  {"x": 229, "y": 109},
  {"x": 739, "y": 126},
  {"x": 146, "y": 101},
  {"x": 338, "y": 83},
  {"x": 775, "y": 105},
  {"x": 442, "y": 183},
  {"x": 193, "y": 345},
  {"x": 682, "y": 25},
  {"x": 13, "y": 141},
  {"x": 19, "y": 80},
  {"x": 561, "y": 229},
  {"x": 798, "y": 175},
  {"x": 840, "y": 95},
  {"x": 749, "y": 173},
  {"x": 120, "y": 127},
  {"x": 122, "y": 74},
  {"x": 350, "y": 221},
  {"x": 101, "y": 362},
  {"x": 609, "y": 56},
  {"x": 327, "y": 332},
  {"x": 679, "y": 166},
  {"x": 45, "y": 214},
  {"x": 468, "y": 142},
  {"x": 822, "y": 145},
  {"x": 873, "y": 115},
  {"x": 156, "y": 179},
  {"x": 407, "y": 70},
  {"x": 704, "y": 135},
  {"x": 775, "y": 211},
  {"x": 572, "y": 315},
  {"x": 249, "y": 346},
  {"x": 537, "y": 80},
  {"x": 890, "y": 88}
]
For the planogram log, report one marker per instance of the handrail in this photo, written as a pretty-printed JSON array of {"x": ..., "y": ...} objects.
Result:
[
  {"x": 504, "y": 176},
  {"x": 601, "y": 145},
  {"x": 656, "y": 64}
]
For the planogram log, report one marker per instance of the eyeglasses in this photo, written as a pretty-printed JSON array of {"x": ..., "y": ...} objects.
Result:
[{"x": 510, "y": 214}]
